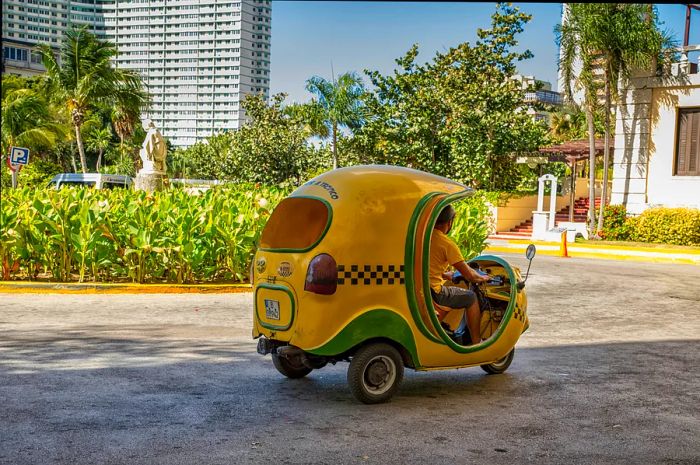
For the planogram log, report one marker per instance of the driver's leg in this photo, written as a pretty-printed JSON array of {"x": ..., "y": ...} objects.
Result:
[
  {"x": 457, "y": 297},
  {"x": 474, "y": 322}
]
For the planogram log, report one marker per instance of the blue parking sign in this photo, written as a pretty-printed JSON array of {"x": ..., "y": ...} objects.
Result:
[{"x": 19, "y": 155}]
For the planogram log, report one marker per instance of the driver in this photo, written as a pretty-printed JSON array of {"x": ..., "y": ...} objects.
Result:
[{"x": 443, "y": 253}]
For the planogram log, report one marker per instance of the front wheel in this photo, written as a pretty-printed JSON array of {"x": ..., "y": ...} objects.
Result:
[
  {"x": 498, "y": 367},
  {"x": 375, "y": 373},
  {"x": 290, "y": 369}
]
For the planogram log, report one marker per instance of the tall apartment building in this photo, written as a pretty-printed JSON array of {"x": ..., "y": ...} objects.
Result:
[
  {"x": 199, "y": 59},
  {"x": 26, "y": 23}
]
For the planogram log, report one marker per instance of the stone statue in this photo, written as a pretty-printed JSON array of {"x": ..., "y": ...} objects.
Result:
[
  {"x": 154, "y": 151},
  {"x": 152, "y": 177}
]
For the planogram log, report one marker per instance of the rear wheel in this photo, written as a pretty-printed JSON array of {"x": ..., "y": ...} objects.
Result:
[
  {"x": 375, "y": 373},
  {"x": 498, "y": 367},
  {"x": 291, "y": 369}
]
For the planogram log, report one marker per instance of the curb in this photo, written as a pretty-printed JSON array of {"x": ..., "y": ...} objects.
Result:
[
  {"x": 27, "y": 287},
  {"x": 637, "y": 254}
]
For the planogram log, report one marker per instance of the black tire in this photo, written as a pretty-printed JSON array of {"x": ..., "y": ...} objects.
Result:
[
  {"x": 498, "y": 367},
  {"x": 375, "y": 373},
  {"x": 290, "y": 369}
]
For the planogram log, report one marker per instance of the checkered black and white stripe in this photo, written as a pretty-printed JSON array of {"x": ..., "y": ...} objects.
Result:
[
  {"x": 519, "y": 313},
  {"x": 370, "y": 274}
]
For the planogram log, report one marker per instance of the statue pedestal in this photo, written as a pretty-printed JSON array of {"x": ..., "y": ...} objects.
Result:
[{"x": 150, "y": 181}]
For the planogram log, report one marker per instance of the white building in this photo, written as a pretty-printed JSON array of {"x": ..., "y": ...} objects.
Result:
[
  {"x": 26, "y": 23},
  {"x": 199, "y": 59},
  {"x": 656, "y": 156},
  {"x": 542, "y": 99},
  {"x": 657, "y": 140}
]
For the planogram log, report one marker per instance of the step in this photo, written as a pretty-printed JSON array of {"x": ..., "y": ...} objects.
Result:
[{"x": 510, "y": 235}]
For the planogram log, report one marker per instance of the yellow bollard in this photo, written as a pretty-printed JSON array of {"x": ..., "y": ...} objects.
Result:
[{"x": 563, "y": 251}]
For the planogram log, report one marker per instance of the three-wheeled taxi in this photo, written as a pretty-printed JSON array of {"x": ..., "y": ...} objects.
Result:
[{"x": 341, "y": 274}]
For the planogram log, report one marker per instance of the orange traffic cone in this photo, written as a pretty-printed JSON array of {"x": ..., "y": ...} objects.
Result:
[{"x": 563, "y": 250}]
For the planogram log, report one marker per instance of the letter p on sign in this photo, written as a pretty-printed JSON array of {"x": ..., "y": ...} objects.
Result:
[{"x": 19, "y": 156}]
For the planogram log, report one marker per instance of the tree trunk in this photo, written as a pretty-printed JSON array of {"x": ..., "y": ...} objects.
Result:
[
  {"x": 72, "y": 159},
  {"x": 335, "y": 145},
  {"x": 606, "y": 155},
  {"x": 591, "y": 171},
  {"x": 572, "y": 194},
  {"x": 81, "y": 149},
  {"x": 99, "y": 161}
]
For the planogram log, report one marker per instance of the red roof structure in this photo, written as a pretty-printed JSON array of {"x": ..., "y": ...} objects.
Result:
[{"x": 573, "y": 150}]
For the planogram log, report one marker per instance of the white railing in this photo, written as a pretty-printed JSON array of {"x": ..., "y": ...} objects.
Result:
[{"x": 685, "y": 65}]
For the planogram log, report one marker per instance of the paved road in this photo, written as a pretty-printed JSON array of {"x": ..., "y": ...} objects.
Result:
[{"x": 608, "y": 373}]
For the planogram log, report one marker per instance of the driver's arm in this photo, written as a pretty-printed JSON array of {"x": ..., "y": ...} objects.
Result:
[{"x": 469, "y": 273}]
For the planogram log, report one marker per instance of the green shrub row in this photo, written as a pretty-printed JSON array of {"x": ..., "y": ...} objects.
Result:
[
  {"x": 170, "y": 236},
  {"x": 679, "y": 226}
]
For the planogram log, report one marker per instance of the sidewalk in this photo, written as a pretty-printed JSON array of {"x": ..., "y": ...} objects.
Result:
[
  {"x": 601, "y": 251},
  {"x": 32, "y": 287}
]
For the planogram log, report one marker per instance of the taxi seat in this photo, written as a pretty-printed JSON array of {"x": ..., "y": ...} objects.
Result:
[
  {"x": 449, "y": 316},
  {"x": 453, "y": 320}
]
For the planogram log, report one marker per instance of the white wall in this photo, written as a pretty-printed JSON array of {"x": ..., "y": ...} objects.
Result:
[
  {"x": 645, "y": 144},
  {"x": 663, "y": 187}
]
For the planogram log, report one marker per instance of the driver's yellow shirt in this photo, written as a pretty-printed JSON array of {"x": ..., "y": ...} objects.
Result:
[{"x": 443, "y": 253}]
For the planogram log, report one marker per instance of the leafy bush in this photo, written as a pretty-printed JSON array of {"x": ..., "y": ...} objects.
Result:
[
  {"x": 680, "y": 226},
  {"x": 616, "y": 225},
  {"x": 38, "y": 173},
  {"x": 471, "y": 227},
  {"x": 106, "y": 234},
  {"x": 172, "y": 236}
]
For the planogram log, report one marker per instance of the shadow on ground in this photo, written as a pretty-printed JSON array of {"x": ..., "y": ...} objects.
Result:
[{"x": 87, "y": 396}]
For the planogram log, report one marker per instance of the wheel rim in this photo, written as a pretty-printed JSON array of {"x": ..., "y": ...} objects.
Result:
[
  {"x": 379, "y": 375},
  {"x": 501, "y": 363}
]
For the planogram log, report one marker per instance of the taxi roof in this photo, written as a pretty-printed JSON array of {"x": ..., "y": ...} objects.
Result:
[{"x": 382, "y": 181}]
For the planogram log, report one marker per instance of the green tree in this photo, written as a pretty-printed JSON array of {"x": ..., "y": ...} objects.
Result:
[
  {"x": 27, "y": 119},
  {"x": 84, "y": 78},
  {"x": 569, "y": 123},
  {"x": 129, "y": 102},
  {"x": 312, "y": 116},
  {"x": 271, "y": 148},
  {"x": 608, "y": 41},
  {"x": 461, "y": 115},
  {"x": 99, "y": 140},
  {"x": 338, "y": 105}
]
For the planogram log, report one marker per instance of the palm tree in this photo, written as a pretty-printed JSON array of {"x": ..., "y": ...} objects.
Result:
[
  {"x": 311, "y": 115},
  {"x": 609, "y": 40},
  {"x": 84, "y": 77},
  {"x": 27, "y": 119},
  {"x": 99, "y": 140},
  {"x": 339, "y": 103},
  {"x": 129, "y": 102}
]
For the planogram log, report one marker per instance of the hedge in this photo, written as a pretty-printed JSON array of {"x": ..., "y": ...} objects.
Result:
[
  {"x": 171, "y": 236},
  {"x": 678, "y": 226}
]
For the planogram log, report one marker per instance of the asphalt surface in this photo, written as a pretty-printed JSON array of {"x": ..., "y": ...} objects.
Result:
[{"x": 608, "y": 373}]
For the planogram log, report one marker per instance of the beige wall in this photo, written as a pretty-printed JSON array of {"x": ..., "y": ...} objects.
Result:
[{"x": 514, "y": 211}]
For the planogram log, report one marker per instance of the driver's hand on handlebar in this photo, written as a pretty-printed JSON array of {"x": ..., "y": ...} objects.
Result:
[{"x": 482, "y": 279}]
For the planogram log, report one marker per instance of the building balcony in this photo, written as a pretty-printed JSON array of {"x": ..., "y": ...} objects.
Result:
[{"x": 689, "y": 62}]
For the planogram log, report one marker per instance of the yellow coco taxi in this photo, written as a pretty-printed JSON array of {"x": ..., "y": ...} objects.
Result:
[{"x": 341, "y": 274}]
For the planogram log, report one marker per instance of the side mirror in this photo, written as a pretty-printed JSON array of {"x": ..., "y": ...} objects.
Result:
[{"x": 530, "y": 252}]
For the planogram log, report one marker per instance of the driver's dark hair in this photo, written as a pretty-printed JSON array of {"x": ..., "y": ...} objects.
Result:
[{"x": 446, "y": 215}]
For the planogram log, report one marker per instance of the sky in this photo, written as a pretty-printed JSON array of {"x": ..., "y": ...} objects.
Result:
[{"x": 311, "y": 38}]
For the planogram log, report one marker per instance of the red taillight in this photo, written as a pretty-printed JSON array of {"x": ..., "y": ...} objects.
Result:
[{"x": 322, "y": 275}]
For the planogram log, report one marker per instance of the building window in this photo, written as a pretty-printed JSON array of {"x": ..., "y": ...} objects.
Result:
[{"x": 688, "y": 142}]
